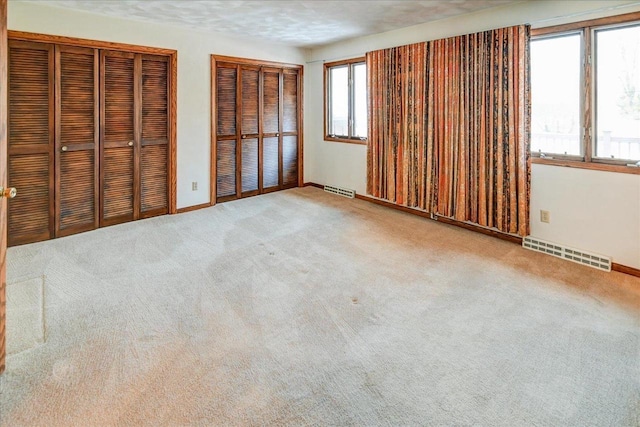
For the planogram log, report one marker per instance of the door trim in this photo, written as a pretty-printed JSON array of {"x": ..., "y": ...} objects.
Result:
[{"x": 4, "y": 60}]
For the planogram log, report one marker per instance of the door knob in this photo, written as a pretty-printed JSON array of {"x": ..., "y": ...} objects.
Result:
[
  {"x": 64, "y": 148},
  {"x": 130, "y": 144},
  {"x": 9, "y": 192}
]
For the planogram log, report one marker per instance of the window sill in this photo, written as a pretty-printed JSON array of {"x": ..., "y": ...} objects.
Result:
[
  {"x": 604, "y": 167},
  {"x": 347, "y": 140}
]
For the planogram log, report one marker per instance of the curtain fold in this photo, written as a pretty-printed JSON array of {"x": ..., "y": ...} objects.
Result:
[
  {"x": 449, "y": 127},
  {"x": 396, "y": 163}
]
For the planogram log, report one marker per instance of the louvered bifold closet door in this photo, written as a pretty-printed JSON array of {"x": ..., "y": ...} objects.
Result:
[
  {"x": 154, "y": 144},
  {"x": 249, "y": 130},
  {"x": 290, "y": 141},
  {"x": 76, "y": 142},
  {"x": 227, "y": 171},
  {"x": 271, "y": 130},
  {"x": 31, "y": 142},
  {"x": 118, "y": 168}
]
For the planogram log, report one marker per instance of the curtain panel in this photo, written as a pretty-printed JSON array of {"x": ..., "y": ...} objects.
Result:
[{"x": 449, "y": 127}]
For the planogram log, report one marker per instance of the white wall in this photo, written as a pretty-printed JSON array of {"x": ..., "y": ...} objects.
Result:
[
  {"x": 594, "y": 210},
  {"x": 590, "y": 210},
  {"x": 194, "y": 87}
]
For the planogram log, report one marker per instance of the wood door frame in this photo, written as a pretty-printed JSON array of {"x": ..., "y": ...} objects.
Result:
[
  {"x": 247, "y": 61},
  {"x": 172, "y": 54},
  {"x": 4, "y": 98}
]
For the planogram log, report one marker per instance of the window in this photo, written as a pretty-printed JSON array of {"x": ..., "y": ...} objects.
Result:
[
  {"x": 585, "y": 93},
  {"x": 617, "y": 78},
  {"x": 555, "y": 92},
  {"x": 346, "y": 101}
]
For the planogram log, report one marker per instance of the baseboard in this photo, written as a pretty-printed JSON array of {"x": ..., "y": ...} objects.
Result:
[
  {"x": 193, "y": 208},
  {"x": 313, "y": 184},
  {"x": 423, "y": 214},
  {"x": 507, "y": 237},
  {"x": 625, "y": 269}
]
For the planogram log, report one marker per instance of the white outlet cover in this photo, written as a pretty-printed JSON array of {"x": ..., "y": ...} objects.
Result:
[{"x": 544, "y": 216}]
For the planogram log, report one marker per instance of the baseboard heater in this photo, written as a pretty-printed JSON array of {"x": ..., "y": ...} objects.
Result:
[
  {"x": 340, "y": 191},
  {"x": 599, "y": 262}
]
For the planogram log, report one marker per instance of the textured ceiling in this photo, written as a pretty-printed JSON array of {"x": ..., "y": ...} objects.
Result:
[{"x": 297, "y": 23}]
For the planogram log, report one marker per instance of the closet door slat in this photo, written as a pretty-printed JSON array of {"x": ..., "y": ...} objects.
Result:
[
  {"x": 118, "y": 137},
  {"x": 249, "y": 165},
  {"x": 227, "y": 128},
  {"x": 226, "y": 168},
  {"x": 290, "y": 101},
  {"x": 77, "y": 134},
  {"x": 290, "y": 161},
  {"x": 226, "y": 78},
  {"x": 271, "y": 102},
  {"x": 270, "y": 157},
  {"x": 290, "y": 142},
  {"x": 250, "y": 130},
  {"x": 31, "y": 142},
  {"x": 155, "y": 136}
]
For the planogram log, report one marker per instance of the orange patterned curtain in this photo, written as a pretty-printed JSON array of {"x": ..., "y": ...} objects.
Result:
[
  {"x": 396, "y": 163},
  {"x": 449, "y": 127}
]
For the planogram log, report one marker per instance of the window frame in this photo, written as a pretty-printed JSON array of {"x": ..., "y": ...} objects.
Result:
[
  {"x": 588, "y": 55},
  {"x": 349, "y": 63},
  {"x": 583, "y": 107}
]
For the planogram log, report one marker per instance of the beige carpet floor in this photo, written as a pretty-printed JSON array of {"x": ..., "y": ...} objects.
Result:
[{"x": 305, "y": 308}]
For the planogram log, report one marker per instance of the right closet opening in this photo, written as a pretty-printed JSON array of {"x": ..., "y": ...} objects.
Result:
[{"x": 256, "y": 127}]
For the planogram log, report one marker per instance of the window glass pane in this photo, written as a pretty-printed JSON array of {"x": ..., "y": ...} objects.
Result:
[
  {"x": 618, "y": 93},
  {"x": 360, "y": 100},
  {"x": 555, "y": 95},
  {"x": 339, "y": 101}
]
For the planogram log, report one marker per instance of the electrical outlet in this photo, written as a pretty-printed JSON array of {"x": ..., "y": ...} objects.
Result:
[
  {"x": 544, "y": 216},
  {"x": 194, "y": 186}
]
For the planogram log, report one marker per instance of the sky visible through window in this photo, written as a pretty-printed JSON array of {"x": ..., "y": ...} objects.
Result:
[
  {"x": 339, "y": 98},
  {"x": 618, "y": 93},
  {"x": 360, "y": 100},
  {"x": 339, "y": 94},
  {"x": 555, "y": 95}
]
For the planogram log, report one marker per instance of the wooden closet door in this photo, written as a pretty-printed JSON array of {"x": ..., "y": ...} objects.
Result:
[
  {"x": 271, "y": 130},
  {"x": 31, "y": 141},
  {"x": 76, "y": 140},
  {"x": 227, "y": 172},
  {"x": 290, "y": 142},
  {"x": 250, "y": 131},
  {"x": 154, "y": 143},
  {"x": 119, "y": 173}
]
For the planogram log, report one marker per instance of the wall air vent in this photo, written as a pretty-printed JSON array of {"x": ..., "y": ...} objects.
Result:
[
  {"x": 581, "y": 257},
  {"x": 340, "y": 191}
]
